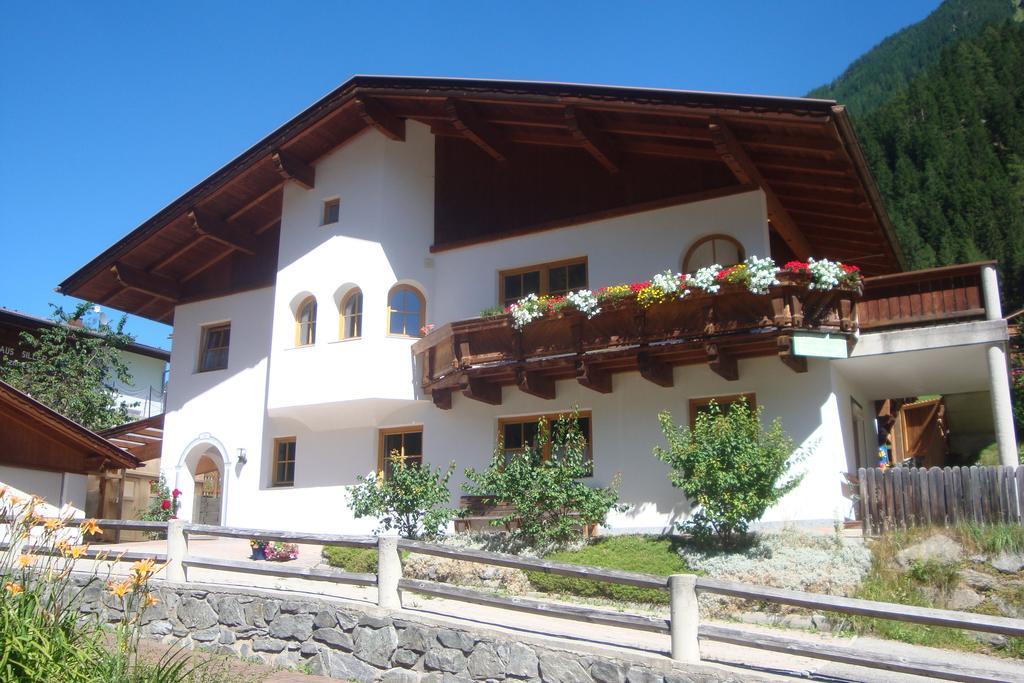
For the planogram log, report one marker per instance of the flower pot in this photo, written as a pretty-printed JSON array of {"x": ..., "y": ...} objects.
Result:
[{"x": 259, "y": 553}]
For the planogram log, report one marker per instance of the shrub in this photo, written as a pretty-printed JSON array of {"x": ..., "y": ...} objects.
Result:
[
  {"x": 411, "y": 500},
  {"x": 550, "y": 505},
  {"x": 357, "y": 560},
  {"x": 729, "y": 467},
  {"x": 646, "y": 554}
]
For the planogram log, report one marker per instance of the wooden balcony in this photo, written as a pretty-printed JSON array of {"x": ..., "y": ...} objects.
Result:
[
  {"x": 481, "y": 355},
  {"x": 920, "y": 298}
]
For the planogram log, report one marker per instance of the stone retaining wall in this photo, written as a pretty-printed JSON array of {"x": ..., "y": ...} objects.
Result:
[{"x": 363, "y": 643}]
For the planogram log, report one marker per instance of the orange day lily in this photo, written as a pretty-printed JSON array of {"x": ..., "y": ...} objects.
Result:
[
  {"x": 120, "y": 589},
  {"x": 26, "y": 560},
  {"x": 53, "y": 524},
  {"x": 90, "y": 526},
  {"x": 151, "y": 600},
  {"x": 13, "y": 588}
]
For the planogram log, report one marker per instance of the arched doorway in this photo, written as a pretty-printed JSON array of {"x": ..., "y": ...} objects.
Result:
[
  {"x": 206, "y": 492},
  {"x": 201, "y": 477}
]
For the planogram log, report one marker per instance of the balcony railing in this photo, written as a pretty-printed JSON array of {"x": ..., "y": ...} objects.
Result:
[
  {"x": 925, "y": 297},
  {"x": 481, "y": 355}
]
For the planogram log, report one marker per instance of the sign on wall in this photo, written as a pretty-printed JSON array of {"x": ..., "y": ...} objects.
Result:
[{"x": 818, "y": 345}]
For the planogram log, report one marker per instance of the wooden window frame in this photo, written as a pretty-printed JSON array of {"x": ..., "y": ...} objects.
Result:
[
  {"x": 312, "y": 323},
  {"x": 423, "y": 311},
  {"x": 328, "y": 204},
  {"x": 355, "y": 291},
  {"x": 740, "y": 251},
  {"x": 204, "y": 346},
  {"x": 276, "y": 460},
  {"x": 390, "y": 431},
  {"x": 551, "y": 418},
  {"x": 545, "y": 275},
  {"x": 696, "y": 403}
]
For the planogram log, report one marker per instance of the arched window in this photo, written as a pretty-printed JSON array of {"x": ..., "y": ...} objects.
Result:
[
  {"x": 406, "y": 311},
  {"x": 305, "y": 322},
  {"x": 352, "y": 314},
  {"x": 721, "y": 249}
]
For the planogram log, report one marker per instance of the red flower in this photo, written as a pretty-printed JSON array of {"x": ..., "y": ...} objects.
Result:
[
  {"x": 798, "y": 267},
  {"x": 166, "y": 504},
  {"x": 175, "y": 493},
  {"x": 724, "y": 274},
  {"x": 850, "y": 268},
  {"x": 637, "y": 286}
]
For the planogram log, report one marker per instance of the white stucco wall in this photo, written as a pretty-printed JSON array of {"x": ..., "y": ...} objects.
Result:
[
  {"x": 143, "y": 395},
  {"x": 56, "y": 488}
]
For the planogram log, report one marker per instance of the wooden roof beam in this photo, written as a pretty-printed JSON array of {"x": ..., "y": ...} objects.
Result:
[
  {"x": 159, "y": 286},
  {"x": 211, "y": 226},
  {"x": 482, "y": 390},
  {"x": 786, "y": 355},
  {"x": 471, "y": 126},
  {"x": 740, "y": 163},
  {"x": 374, "y": 114},
  {"x": 290, "y": 167},
  {"x": 592, "y": 139}
]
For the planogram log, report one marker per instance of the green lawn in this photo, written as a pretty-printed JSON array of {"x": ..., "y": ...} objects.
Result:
[{"x": 646, "y": 554}]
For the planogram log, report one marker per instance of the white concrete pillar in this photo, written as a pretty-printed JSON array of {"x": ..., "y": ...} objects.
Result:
[
  {"x": 389, "y": 572},
  {"x": 990, "y": 292},
  {"x": 177, "y": 550},
  {"x": 1002, "y": 412},
  {"x": 685, "y": 618}
]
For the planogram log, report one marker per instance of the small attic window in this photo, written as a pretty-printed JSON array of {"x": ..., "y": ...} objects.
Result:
[{"x": 332, "y": 209}]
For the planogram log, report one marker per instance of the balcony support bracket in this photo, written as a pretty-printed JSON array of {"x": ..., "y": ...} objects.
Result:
[
  {"x": 483, "y": 391},
  {"x": 536, "y": 385},
  {"x": 593, "y": 378},
  {"x": 722, "y": 362},
  {"x": 795, "y": 363},
  {"x": 442, "y": 398},
  {"x": 654, "y": 370}
]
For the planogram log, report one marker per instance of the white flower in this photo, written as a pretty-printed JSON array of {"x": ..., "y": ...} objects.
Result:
[
  {"x": 825, "y": 274},
  {"x": 668, "y": 282},
  {"x": 763, "y": 274},
  {"x": 706, "y": 279},
  {"x": 526, "y": 310},
  {"x": 584, "y": 301}
]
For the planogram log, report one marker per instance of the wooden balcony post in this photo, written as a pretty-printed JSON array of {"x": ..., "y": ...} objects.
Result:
[{"x": 685, "y": 618}]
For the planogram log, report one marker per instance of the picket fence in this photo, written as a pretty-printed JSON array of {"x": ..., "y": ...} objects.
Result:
[{"x": 905, "y": 497}]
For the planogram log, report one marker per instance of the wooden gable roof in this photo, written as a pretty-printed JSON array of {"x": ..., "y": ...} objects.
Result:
[
  {"x": 803, "y": 153},
  {"x": 35, "y": 437}
]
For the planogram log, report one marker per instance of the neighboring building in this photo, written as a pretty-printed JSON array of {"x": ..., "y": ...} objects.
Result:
[
  {"x": 43, "y": 453},
  {"x": 144, "y": 397},
  {"x": 301, "y": 277}
]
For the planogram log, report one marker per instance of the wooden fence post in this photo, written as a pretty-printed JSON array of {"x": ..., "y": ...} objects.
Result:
[
  {"x": 389, "y": 572},
  {"x": 177, "y": 550},
  {"x": 685, "y": 617}
]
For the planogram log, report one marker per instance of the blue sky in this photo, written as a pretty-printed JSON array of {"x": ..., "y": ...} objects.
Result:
[{"x": 108, "y": 111}]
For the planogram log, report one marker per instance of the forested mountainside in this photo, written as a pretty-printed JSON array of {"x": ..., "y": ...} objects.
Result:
[
  {"x": 948, "y": 154},
  {"x": 892, "y": 64},
  {"x": 939, "y": 110}
]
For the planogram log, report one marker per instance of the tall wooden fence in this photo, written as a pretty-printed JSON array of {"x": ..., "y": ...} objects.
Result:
[{"x": 903, "y": 497}]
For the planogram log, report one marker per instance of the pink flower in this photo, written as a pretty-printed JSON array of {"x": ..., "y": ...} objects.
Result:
[
  {"x": 175, "y": 493},
  {"x": 166, "y": 504}
]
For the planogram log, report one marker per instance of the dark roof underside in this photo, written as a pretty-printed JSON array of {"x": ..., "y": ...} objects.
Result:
[{"x": 802, "y": 152}]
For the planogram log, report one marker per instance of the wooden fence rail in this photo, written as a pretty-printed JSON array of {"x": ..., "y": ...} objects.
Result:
[
  {"x": 684, "y": 627},
  {"x": 902, "y": 497}
]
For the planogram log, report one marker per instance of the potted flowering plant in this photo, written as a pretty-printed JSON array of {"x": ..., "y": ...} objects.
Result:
[
  {"x": 281, "y": 552},
  {"x": 259, "y": 549},
  {"x": 163, "y": 505}
]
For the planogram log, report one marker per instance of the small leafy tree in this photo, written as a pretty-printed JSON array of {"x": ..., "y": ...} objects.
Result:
[
  {"x": 730, "y": 468},
  {"x": 550, "y": 505},
  {"x": 412, "y": 500},
  {"x": 71, "y": 368}
]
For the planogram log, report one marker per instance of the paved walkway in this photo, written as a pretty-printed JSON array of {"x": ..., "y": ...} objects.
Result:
[{"x": 739, "y": 659}]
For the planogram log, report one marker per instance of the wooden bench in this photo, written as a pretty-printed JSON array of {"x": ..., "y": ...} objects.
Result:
[{"x": 477, "y": 513}]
